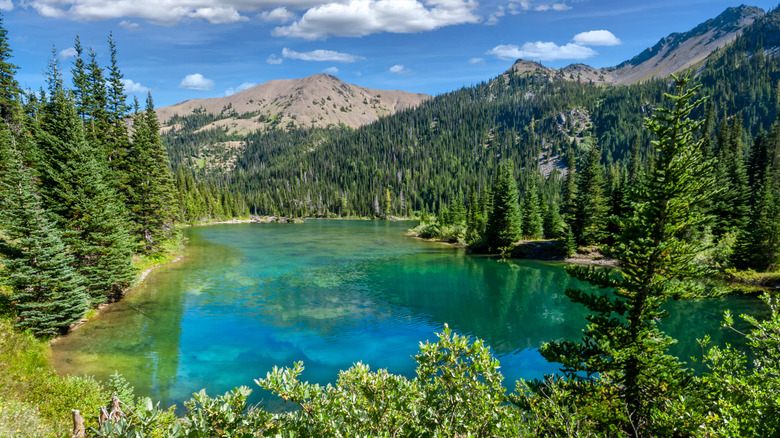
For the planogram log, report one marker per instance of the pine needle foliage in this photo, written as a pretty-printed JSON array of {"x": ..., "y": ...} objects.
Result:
[
  {"x": 504, "y": 222},
  {"x": 622, "y": 342},
  {"x": 47, "y": 292}
]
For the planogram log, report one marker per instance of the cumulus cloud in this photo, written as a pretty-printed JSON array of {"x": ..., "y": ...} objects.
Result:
[
  {"x": 320, "y": 55},
  {"x": 196, "y": 81},
  {"x": 70, "y": 52},
  {"x": 167, "y": 12},
  {"x": 541, "y": 51},
  {"x": 132, "y": 87},
  {"x": 274, "y": 60},
  {"x": 476, "y": 60},
  {"x": 331, "y": 70},
  {"x": 553, "y": 7},
  {"x": 398, "y": 69},
  {"x": 578, "y": 48},
  {"x": 365, "y": 17},
  {"x": 281, "y": 15},
  {"x": 129, "y": 25},
  {"x": 6, "y": 5},
  {"x": 244, "y": 85},
  {"x": 596, "y": 38}
]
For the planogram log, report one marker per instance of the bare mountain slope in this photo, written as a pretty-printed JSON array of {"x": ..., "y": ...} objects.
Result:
[
  {"x": 321, "y": 100},
  {"x": 679, "y": 51},
  {"x": 671, "y": 54}
]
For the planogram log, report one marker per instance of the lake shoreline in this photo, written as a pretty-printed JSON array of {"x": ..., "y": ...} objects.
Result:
[{"x": 139, "y": 279}]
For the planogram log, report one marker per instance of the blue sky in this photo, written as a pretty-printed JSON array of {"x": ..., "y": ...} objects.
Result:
[{"x": 185, "y": 49}]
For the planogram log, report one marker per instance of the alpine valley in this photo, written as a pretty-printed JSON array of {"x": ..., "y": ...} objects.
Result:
[{"x": 320, "y": 147}]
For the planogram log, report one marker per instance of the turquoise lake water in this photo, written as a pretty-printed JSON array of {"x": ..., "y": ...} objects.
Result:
[{"x": 248, "y": 297}]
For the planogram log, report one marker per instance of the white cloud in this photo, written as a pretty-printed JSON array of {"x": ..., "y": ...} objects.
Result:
[
  {"x": 70, "y": 52},
  {"x": 129, "y": 25},
  {"x": 493, "y": 18},
  {"x": 596, "y": 38},
  {"x": 320, "y": 55},
  {"x": 134, "y": 87},
  {"x": 196, "y": 81},
  {"x": 274, "y": 60},
  {"x": 541, "y": 51},
  {"x": 476, "y": 60},
  {"x": 331, "y": 70},
  {"x": 244, "y": 85},
  {"x": 6, "y": 5},
  {"x": 553, "y": 7},
  {"x": 281, "y": 14},
  {"x": 518, "y": 6},
  {"x": 365, "y": 17},
  {"x": 398, "y": 69},
  {"x": 166, "y": 12}
]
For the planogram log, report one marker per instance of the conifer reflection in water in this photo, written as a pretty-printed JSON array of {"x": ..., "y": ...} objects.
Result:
[{"x": 331, "y": 293}]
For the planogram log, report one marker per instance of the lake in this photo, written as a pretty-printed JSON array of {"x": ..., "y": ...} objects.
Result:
[{"x": 332, "y": 293}]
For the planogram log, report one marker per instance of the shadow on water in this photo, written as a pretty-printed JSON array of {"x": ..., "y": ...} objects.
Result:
[{"x": 332, "y": 293}]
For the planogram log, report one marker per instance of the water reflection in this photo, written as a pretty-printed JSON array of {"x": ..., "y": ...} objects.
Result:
[{"x": 332, "y": 293}]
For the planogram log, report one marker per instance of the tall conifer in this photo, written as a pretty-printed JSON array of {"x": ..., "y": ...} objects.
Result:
[
  {"x": 48, "y": 294},
  {"x": 152, "y": 196},
  {"x": 9, "y": 87},
  {"x": 623, "y": 343},
  {"x": 504, "y": 222},
  {"x": 589, "y": 220},
  {"x": 88, "y": 211},
  {"x": 531, "y": 214}
]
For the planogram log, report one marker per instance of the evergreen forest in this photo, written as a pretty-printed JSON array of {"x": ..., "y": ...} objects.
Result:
[{"x": 675, "y": 179}]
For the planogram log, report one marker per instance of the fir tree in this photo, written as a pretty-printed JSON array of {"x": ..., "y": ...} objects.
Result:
[
  {"x": 758, "y": 244},
  {"x": 731, "y": 206},
  {"x": 88, "y": 211},
  {"x": 531, "y": 215},
  {"x": 623, "y": 343},
  {"x": 9, "y": 88},
  {"x": 554, "y": 227},
  {"x": 47, "y": 293},
  {"x": 475, "y": 221},
  {"x": 152, "y": 197},
  {"x": 590, "y": 209},
  {"x": 504, "y": 222}
]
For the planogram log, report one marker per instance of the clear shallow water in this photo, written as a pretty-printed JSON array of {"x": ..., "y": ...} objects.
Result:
[{"x": 332, "y": 293}]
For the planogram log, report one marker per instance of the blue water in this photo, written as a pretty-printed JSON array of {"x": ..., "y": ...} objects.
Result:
[{"x": 248, "y": 297}]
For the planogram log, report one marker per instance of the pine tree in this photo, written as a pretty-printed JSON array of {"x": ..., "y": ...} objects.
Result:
[
  {"x": 531, "y": 215},
  {"x": 475, "y": 221},
  {"x": 88, "y": 211},
  {"x": 731, "y": 206},
  {"x": 9, "y": 88},
  {"x": 758, "y": 244},
  {"x": 623, "y": 343},
  {"x": 47, "y": 293},
  {"x": 152, "y": 197},
  {"x": 590, "y": 210},
  {"x": 504, "y": 222},
  {"x": 554, "y": 227},
  {"x": 117, "y": 145}
]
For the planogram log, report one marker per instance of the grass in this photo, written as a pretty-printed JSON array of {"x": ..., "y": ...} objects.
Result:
[
  {"x": 171, "y": 251},
  {"x": 34, "y": 400},
  {"x": 750, "y": 277}
]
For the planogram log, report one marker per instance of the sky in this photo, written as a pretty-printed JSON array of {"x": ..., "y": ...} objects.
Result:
[{"x": 187, "y": 49}]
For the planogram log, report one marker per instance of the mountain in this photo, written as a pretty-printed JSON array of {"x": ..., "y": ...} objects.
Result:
[
  {"x": 321, "y": 101},
  {"x": 671, "y": 54},
  {"x": 679, "y": 51},
  {"x": 432, "y": 156}
]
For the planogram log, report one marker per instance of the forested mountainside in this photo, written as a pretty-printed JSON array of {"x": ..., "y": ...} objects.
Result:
[{"x": 425, "y": 158}]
